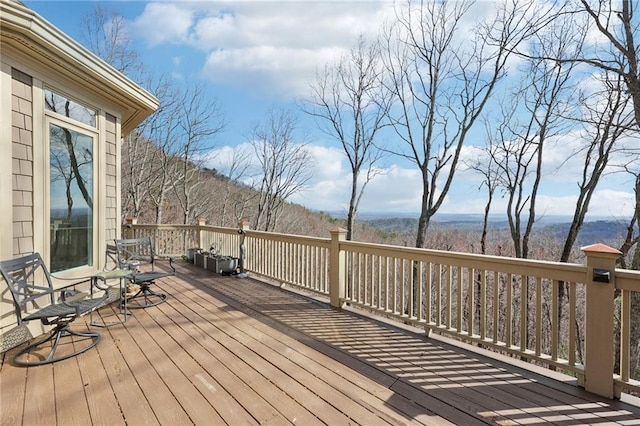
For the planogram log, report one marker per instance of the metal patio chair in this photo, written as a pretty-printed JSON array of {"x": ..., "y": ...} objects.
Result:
[
  {"x": 34, "y": 298},
  {"x": 137, "y": 254}
]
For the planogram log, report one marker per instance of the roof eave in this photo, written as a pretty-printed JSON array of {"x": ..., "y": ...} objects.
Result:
[{"x": 26, "y": 31}]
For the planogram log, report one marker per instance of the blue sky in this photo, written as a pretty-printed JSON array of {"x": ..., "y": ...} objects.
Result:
[{"x": 256, "y": 54}]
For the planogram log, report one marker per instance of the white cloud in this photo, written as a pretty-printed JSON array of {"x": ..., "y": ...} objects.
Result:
[
  {"x": 280, "y": 72},
  {"x": 330, "y": 163},
  {"x": 164, "y": 23},
  {"x": 396, "y": 189},
  {"x": 266, "y": 47},
  {"x": 605, "y": 202}
]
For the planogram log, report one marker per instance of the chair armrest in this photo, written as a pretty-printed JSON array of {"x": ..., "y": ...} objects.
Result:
[
  {"x": 99, "y": 280},
  {"x": 173, "y": 268},
  {"x": 69, "y": 294}
]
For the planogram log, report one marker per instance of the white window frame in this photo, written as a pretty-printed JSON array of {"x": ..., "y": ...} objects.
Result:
[{"x": 51, "y": 117}]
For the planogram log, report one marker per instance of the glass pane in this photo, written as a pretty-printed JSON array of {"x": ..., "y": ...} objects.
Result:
[
  {"x": 71, "y": 215},
  {"x": 68, "y": 108}
]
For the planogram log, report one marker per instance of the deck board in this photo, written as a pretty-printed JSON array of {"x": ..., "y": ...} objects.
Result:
[
  {"x": 67, "y": 375},
  {"x": 131, "y": 400},
  {"x": 12, "y": 394},
  {"x": 101, "y": 400},
  {"x": 286, "y": 377},
  {"x": 225, "y": 350},
  {"x": 39, "y": 407},
  {"x": 257, "y": 386}
]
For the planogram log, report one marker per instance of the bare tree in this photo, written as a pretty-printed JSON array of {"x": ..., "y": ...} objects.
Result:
[
  {"x": 350, "y": 103},
  {"x": 234, "y": 169},
  {"x": 617, "y": 23},
  {"x": 104, "y": 32},
  {"x": 483, "y": 164},
  {"x": 200, "y": 119},
  {"x": 629, "y": 248},
  {"x": 163, "y": 128},
  {"x": 542, "y": 108},
  {"x": 606, "y": 120},
  {"x": 285, "y": 165},
  {"x": 441, "y": 84},
  {"x": 142, "y": 158},
  {"x": 136, "y": 177}
]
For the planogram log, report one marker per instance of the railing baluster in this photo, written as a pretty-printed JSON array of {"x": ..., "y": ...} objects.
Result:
[
  {"x": 449, "y": 295},
  {"x": 471, "y": 300},
  {"x": 379, "y": 282},
  {"x": 625, "y": 334},
  {"x": 403, "y": 292},
  {"x": 428, "y": 289},
  {"x": 509, "y": 311},
  {"x": 421, "y": 286},
  {"x": 496, "y": 305},
  {"x": 524, "y": 306},
  {"x": 483, "y": 304},
  {"x": 538, "y": 316},
  {"x": 572, "y": 323},
  {"x": 555, "y": 326},
  {"x": 395, "y": 286},
  {"x": 460, "y": 306}
]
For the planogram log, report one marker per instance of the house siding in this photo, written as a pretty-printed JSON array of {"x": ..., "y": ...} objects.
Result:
[
  {"x": 35, "y": 56},
  {"x": 22, "y": 161},
  {"x": 111, "y": 178}
]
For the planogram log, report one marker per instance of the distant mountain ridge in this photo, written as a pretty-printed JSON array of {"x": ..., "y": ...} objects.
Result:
[
  {"x": 602, "y": 230},
  {"x": 472, "y": 217}
]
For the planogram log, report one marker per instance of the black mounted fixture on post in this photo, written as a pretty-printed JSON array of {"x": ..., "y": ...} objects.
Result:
[{"x": 601, "y": 275}]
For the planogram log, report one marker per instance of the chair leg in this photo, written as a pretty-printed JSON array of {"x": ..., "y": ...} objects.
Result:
[
  {"x": 148, "y": 296},
  {"x": 60, "y": 332}
]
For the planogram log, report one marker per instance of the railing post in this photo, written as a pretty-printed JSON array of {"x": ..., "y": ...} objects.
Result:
[
  {"x": 129, "y": 222},
  {"x": 201, "y": 222},
  {"x": 243, "y": 227},
  {"x": 336, "y": 268},
  {"x": 600, "y": 283}
]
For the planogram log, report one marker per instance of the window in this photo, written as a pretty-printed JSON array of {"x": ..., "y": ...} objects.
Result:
[
  {"x": 68, "y": 108},
  {"x": 72, "y": 189}
]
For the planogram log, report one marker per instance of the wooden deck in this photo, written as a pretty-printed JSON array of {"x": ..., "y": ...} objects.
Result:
[{"x": 234, "y": 351}]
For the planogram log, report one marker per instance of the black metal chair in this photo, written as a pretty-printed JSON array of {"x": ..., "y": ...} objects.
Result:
[
  {"x": 138, "y": 255},
  {"x": 34, "y": 298}
]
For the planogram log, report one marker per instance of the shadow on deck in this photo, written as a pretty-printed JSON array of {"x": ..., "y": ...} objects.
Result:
[{"x": 233, "y": 351}]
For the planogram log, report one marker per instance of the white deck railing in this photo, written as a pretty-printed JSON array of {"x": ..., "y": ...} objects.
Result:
[{"x": 506, "y": 304}]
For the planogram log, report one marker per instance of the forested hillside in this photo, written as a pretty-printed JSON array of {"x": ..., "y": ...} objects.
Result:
[{"x": 225, "y": 202}]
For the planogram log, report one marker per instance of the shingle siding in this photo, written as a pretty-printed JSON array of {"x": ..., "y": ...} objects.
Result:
[
  {"x": 22, "y": 152},
  {"x": 111, "y": 204}
]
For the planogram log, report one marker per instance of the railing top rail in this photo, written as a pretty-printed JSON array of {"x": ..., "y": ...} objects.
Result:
[
  {"x": 160, "y": 226},
  {"x": 565, "y": 271},
  {"x": 218, "y": 229},
  {"x": 317, "y": 241},
  {"x": 627, "y": 279}
]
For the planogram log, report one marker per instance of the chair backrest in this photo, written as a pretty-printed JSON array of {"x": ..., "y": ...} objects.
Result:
[
  {"x": 134, "y": 253},
  {"x": 111, "y": 258},
  {"x": 28, "y": 279}
]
